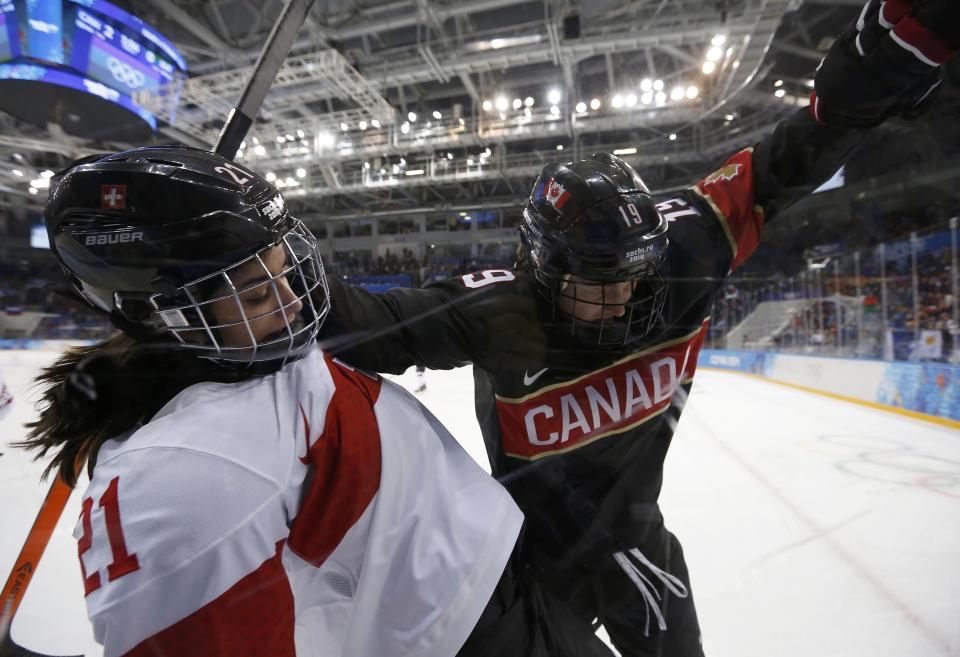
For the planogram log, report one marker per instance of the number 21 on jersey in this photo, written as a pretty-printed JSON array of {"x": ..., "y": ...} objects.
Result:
[{"x": 123, "y": 562}]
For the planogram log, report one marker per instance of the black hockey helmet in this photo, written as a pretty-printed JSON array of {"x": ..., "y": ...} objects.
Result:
[
  {"x": 595, "y": 223},
  {"x": 151, "y": 237}
]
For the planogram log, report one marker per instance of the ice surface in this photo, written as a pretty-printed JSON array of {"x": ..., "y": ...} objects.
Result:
[{"x": 811, "y": 526}]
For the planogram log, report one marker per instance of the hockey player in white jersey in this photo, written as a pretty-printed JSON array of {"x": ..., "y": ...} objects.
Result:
[{"x": 250, "y": 495}]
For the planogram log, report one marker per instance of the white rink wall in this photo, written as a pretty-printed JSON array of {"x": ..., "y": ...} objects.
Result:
[{"x": 927, "y": 388}]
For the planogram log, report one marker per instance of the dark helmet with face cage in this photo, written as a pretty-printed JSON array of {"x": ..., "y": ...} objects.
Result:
[
  {"x": 594, "y": 221},
  {"x": 151, "y": 236}
]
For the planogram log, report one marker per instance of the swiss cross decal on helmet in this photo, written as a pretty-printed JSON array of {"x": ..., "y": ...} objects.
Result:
[
  {"x": 594, "y": 221},
  {"x": 154, "y": 236}
]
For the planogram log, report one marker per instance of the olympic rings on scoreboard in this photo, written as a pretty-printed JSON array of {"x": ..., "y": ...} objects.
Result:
[{"x": 125, "y": 74}]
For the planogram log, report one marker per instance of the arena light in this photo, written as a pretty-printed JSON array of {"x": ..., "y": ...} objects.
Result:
[
  {"x": 555, "y": 110},
  {"x": 343, "y": 126},
  {"x": 660, "y": 98},
  {"x": 677, "y": 93},
  {"x": 528, "y": 101},
  {"x": 708, "y": 67},
  {"x": 501, "y": 103},
  {"x": 437, "y": 115},
  {"x": 487, "y": 105},
  {"x": 449, "y": 155},
  {"x": 469, "y": 161},
  {"x": 405, "y": 127},
  {"x": 259, "y": 150},
  {"x": 658, "y": 85},
  {"x": 559, "y": 147},
  {"x": 554, "y": 96},
  {"x": 718, "y": 40},
  {"x": 326, "y": 140},
  {"x": 412, "y": 117},
  {"x": 301, "y": 173},
  {"x": 646, "y": 84},
  {"x": 375, "y": 123},
  {"x": 362, "y": 125},
  {"x": 646, "y": 97},
  {"x": 581, "y": 107},
  {"x": 780, "y": 93},
  {"x": 270, "y": 176},
  {"x": 595, "y": 104},
  {"x": 630, "y": 100},
  {"x": 517, "y": 103},
  {"x": 673, "y": 136},
  {"x": 301, "y": 134},
  {"x": 692, "y": 92},
  {"x": 40, "y": 183},
  {"x": 617, "y": 101},
  {"x": 291, "y": 182},
  {"x": 714, "y": 54},
  {"x": 778, "y": 83},
  {"x": 625, "y": 151},
  {"x": 17, "y": 172},
  {"x": 414, "y": 172},
  {"x": 33, "y": 190}
]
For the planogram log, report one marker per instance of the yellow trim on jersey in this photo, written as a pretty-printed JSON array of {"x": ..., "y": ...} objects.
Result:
[
  {"x": 722, "y": 218},
  {"x": 638, "y": 354},
  {"x": 592, "y": 440},
  {"x": 936, "y": 419}
]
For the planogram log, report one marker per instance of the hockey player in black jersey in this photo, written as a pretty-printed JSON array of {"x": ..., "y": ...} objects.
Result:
[{"x": 584, "y": 354}]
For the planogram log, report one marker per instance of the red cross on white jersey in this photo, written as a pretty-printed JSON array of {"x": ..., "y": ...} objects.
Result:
[{"x": 113, "y": 197}]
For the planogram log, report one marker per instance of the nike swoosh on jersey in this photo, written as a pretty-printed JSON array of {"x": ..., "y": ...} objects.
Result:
[{"x": 529, "y": 380}]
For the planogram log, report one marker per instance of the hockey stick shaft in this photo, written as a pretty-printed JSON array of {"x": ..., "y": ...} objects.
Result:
[
  {"x": 28, "y": 559},
  {"x": 264, "y": 71}
]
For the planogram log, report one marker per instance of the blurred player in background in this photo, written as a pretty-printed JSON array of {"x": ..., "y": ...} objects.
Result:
[
  {"x": 585, "y": 354},
  {"x": 6, "y": 398},
  {"x": 421, "y": 379},
  {"x": 249, "y": 494}
]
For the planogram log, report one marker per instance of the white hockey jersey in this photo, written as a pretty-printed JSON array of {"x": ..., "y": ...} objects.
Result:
[{"x": 317, "y": 511}]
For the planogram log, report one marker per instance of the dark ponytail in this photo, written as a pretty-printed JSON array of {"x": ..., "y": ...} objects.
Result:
[{"x": 97, "y": 392}]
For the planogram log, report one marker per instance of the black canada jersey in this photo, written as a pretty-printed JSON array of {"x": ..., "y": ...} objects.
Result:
[{"x": 578, "y": 433}]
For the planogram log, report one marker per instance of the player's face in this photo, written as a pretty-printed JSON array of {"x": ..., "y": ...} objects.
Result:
[
  {"x": 265, "y": 299},
  {"x": 593, "y": 302}
]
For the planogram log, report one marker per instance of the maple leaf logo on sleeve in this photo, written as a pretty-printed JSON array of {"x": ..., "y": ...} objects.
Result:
[{"x": 728, "y": 172}]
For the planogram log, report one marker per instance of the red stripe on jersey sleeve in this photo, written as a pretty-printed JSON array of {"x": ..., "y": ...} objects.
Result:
[
  {"x": 346, "y": 462},
  {"x": 254, "y": 617},
  {"x": 729, "y": 192}
]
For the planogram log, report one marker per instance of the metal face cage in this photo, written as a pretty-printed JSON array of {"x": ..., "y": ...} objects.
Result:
[
  {"x": 641, "y": 309},
  {"x": 253, "y": 310}
]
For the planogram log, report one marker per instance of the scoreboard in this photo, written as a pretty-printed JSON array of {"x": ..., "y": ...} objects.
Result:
[{"x": 90, "y": 46}]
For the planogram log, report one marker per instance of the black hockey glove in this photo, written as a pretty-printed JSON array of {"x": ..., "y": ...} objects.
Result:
[{"x": 886, "y": 64}]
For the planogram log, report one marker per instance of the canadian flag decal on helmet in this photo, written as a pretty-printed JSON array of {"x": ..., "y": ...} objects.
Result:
[{"x": 555, "y": 194}]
